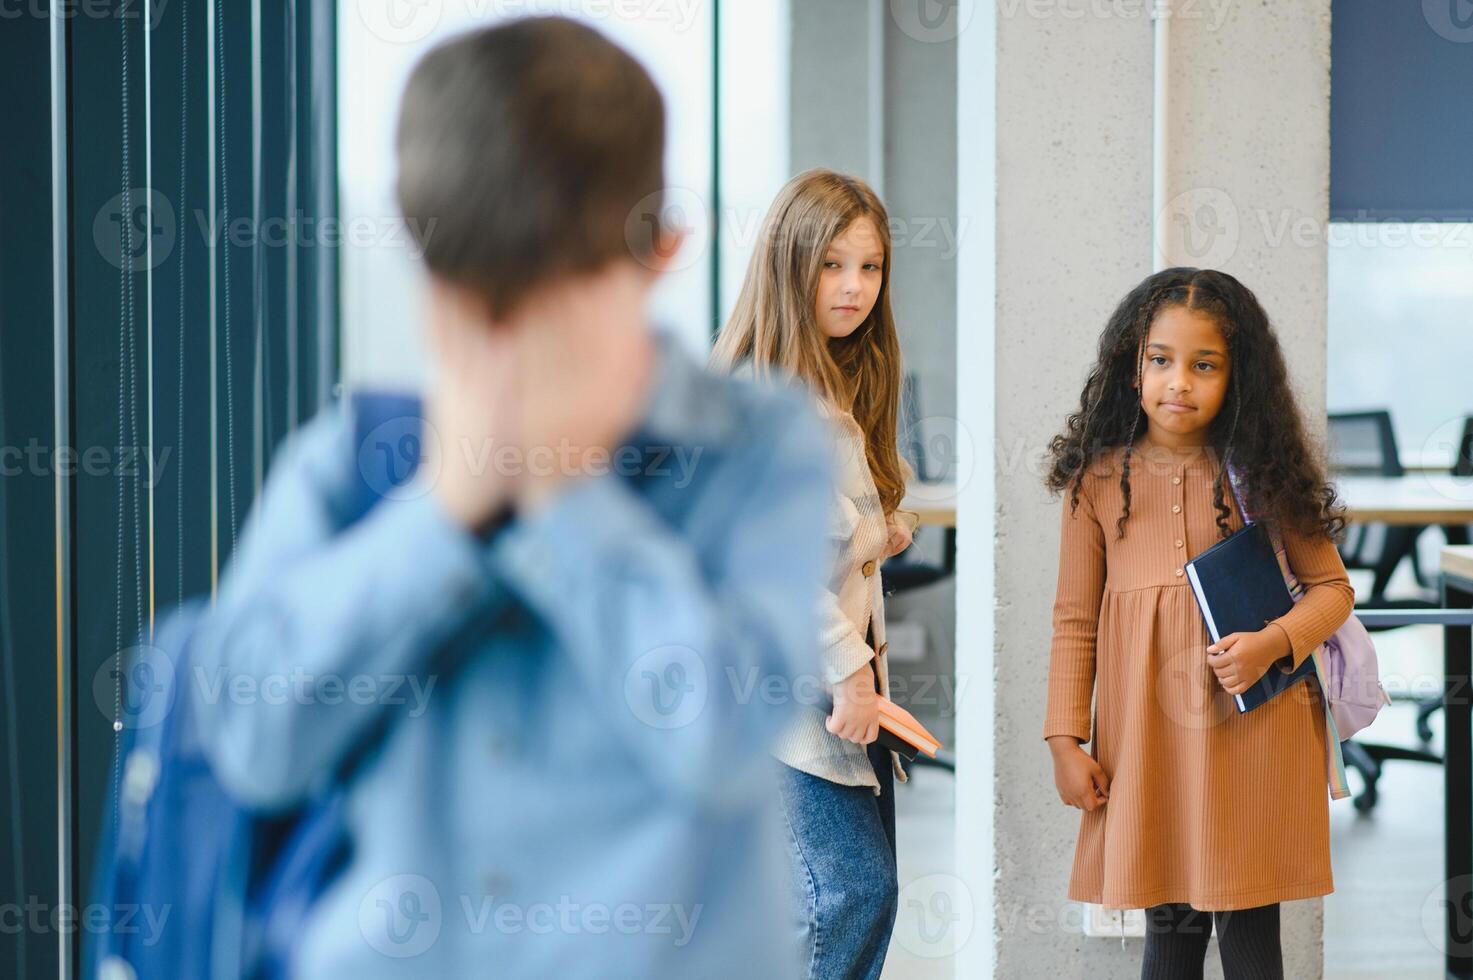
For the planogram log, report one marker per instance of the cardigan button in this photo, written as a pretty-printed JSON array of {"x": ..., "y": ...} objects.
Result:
[
  {"x": 1179, "y": 543},
  {"x": 1178, "y": 573},
  {"x": 1176, "y": 479},
  {"x": 1176, "y": 508},
  {"x": 868, "y": 568}
]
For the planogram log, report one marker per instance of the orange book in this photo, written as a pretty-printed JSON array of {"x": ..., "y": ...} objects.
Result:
[
  {"x": 899, "y": 730},
  {"x": 900, "y": 722}
]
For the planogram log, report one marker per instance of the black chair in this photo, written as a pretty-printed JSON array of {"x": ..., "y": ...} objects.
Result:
[
  {"x": 1462, "y": 467},
  {"x": 1364, "y": 444},
  {"x": 1455, "y": 534},
  {"x": 900, "y": 574}
]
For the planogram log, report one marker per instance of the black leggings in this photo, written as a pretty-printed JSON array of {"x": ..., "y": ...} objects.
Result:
[{"x": 1247, "y": 939}]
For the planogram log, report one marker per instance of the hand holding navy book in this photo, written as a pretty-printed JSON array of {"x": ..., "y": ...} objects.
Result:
[{"x": 1240, "y": 589}]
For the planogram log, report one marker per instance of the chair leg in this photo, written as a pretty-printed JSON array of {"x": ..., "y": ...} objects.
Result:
[
  {"x": 1425, "y": 708},
  {"x": 1400, "y": 542},
  {"x": 943, "y": 760},
  {"x": 1417, "y": 568},
  {"x": 1370, "y": 770}
]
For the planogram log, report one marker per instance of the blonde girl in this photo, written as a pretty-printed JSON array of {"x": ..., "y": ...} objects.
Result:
[{"x": 815, "y": 306}]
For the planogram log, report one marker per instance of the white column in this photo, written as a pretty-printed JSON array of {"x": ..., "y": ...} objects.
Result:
[{"x": 1054, "y": 173}]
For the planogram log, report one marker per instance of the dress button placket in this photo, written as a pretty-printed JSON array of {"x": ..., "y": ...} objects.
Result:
[{"x": 1176, "y": 508}]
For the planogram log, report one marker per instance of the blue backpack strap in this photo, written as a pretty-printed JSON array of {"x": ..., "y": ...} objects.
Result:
[{"x": 388, "y": 429}]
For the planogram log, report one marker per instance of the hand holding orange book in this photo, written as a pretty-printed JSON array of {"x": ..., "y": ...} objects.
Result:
[{"x": 899, "y": 730}]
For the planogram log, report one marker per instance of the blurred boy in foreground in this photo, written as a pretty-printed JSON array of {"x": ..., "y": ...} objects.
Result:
[{"x": 632, "y": 546}]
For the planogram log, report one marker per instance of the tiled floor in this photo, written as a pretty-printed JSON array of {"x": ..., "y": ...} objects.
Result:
[
  {"x": 924, "y": 827},
  {"x": 1388, "y": 865}
]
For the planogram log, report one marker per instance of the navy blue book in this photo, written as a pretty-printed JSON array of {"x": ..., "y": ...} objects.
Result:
[{"x": 1240, "y": 588}]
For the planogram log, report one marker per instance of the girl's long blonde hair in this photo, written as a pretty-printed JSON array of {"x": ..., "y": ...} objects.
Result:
[{"x": 774, "y": 325}]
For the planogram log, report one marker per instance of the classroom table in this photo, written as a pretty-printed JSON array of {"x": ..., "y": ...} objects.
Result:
[
  {"x": 935, "y": 502},
  {"x": 1457, "y": 775},
  {"x": 1435, "y": 457},
  {"x": 1417, "y": 498},
  {"x": 1429, "y": 459}
]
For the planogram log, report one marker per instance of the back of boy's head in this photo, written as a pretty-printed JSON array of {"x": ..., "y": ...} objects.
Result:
[{"x": 523, "y": 152}]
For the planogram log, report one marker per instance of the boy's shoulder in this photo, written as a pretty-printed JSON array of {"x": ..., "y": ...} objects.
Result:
[
  {"x": 775, "y": 387},
  {"x": 733, "y": 412},
  {"x": 366, "y": 445},
  {"x": 358, "y": 449}
]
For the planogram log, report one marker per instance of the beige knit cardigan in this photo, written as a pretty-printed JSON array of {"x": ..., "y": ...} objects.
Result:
[{"x": 852, "y": 604}]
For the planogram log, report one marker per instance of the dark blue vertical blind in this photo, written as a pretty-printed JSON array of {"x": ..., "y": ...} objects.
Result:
[
  {"x": 197, "y": 175},
  {"x": 29, "y": 719}
]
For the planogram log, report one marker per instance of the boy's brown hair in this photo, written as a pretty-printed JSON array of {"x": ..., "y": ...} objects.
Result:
[{"x": 524, "y": 151}]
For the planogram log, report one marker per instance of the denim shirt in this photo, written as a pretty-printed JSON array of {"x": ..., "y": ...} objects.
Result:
[{"x": 574, "y": 776}]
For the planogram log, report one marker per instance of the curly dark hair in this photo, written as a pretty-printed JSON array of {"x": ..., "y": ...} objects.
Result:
[{"x": 1259, "y": 429}]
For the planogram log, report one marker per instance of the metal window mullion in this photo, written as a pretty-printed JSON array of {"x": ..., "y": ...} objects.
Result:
[
  {"x": 258, "y": 272},
  {"x": 211, "y": 29},
  {"x": 62, "y": 436},
  {"x": 148, "y": 299},
  {"x": 293, "y": 367}
]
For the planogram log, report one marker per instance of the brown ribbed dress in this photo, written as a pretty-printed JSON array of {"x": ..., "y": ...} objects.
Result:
[{"x": 1207, "y": 806}]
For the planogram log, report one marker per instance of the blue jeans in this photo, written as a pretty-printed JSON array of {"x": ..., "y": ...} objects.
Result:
[{"x": 841, "y": 840}]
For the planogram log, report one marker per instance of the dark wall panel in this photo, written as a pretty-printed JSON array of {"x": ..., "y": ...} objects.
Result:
[
  {"x": 197, "y": 327},
  {"x": 28, "y": 638},
  {"x": 1401, "y": 132}
]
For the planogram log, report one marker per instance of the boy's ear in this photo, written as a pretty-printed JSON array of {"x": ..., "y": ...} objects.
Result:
[{"x": 665, "y": 249}]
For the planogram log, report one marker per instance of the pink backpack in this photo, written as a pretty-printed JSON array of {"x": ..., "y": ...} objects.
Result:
[{"x": 1345, "y": 666}]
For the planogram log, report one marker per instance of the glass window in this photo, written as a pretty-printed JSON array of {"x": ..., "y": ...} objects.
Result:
[
  {"x": 378, "y": 46},
  {"x": 1401, "y": 330}
]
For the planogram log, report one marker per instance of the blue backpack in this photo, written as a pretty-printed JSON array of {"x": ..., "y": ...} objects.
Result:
[{"x": 227, "y": 887}]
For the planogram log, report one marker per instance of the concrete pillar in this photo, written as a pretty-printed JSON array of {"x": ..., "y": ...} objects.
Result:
[
  {"x": 838, "y": 80},
  {"x": 1054, "y": 105}
]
